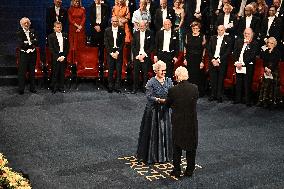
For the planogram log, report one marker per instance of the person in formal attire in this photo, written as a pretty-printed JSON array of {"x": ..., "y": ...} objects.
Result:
[
  {"x": 121, "y": 11},
  {"x": 167, "y": 44},
  {"x": 77, "y": 36},
  {"x": 152, "y": 6},
  {"x": 99, "y": 17},
  {"x": 142, "y": 46},
  {"x": 271, "y": 26},
  {"x": 244, "y": 54},
  {"x": 155, "y": 136},
  {"x": 269, "y": 91},
  {"x": 114, "y": 40},
  {"x": 219, "y": 48},
  {"x": 142, "y": 14},
  {"x": 182, "y": 98},
  {"x": 58, "y": 44},
  {"x": 248, "y": 21},
  {"x": 240, "y": 6},
  {"x": 228, "y": 20},
  {"x": 163, "y": 13},
  {"x": 194, "y": 52},
  {"x": 55, "y": 13},
  {"x": 178, "y": 25},
  {"x": 262, "y": 9},
  {"x": 280, "y": 8},
  {"x": 28, "y": 42}
]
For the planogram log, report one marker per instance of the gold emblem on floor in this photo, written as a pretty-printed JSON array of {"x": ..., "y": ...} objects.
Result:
[{"x": 155, "y": 171}]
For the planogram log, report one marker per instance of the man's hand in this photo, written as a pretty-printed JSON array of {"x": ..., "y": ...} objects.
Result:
[
  {"x": 239, "y": 66},
  {"x": 185, "y": 62},
  {"x": 97, "y": 28},
  {"x": 175, "y": 60},
  {"x": 201, "y": 65},
  {"x": 61, "y": 58}
]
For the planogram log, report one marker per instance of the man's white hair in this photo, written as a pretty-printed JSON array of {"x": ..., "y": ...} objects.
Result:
[
  {"x": 181, "y": 73},
  {"x": 23, "y": 20}
]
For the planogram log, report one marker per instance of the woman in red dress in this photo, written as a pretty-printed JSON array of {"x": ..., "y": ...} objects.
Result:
[{"x": 77, "y": 36}]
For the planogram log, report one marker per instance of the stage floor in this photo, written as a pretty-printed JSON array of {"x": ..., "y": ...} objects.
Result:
[{"x": 86, "y": 139}]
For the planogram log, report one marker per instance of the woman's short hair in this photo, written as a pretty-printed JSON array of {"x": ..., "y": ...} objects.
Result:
[
  {"x": 182, "y": 73},
  {"x": 72, "y": 2},
  {"x": 158, "y": 65},
  {"x": 193, "y": 24},
  {"x": 23, "y": 20},
  {"x": 273, "y": 40}
]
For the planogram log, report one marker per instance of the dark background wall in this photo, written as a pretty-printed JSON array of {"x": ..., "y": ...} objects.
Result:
[{"x": 12, "y": 10}]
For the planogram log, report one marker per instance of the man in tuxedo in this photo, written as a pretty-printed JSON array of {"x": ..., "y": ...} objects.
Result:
[
  {"x": 271, "y": 26},
  {"x": 249, "y": 21},
  {"x": 113, "y": 41},
  {"x": 279, "y": 8},
  {"x": 141, "y": 48},
  {"x": 99, "y": 16},
  {"x": 240, "y": 6},
  {"x": 167, "y": 44},
  {"x": 182, "y": 98},
  {"x": 245, "y": 51},
  {"x": 163, "y": 13},
  {"x": 218, "y": 49},
  {"x": 58, "y": 44},
  {"x": 55, "y": 13},
  {"x": 27, "y": 59}
]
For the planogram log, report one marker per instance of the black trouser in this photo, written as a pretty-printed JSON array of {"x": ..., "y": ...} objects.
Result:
[
  {"x": 27, "y": 62},
  {"x": 217, "y": 75},
  {"x": 144, "y": 66},
  {"x": 190, "y": 158},
  {"x": 98, "y": 41},
  {"x": 167, "y": 57},
  {"x": 58, "y": 71},
  {"x": 117, "y": 65},
  {"x": 244, "y": 83}
]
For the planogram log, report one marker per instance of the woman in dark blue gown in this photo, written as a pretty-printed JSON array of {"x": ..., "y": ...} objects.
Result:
[{"x": 155, "y": 137}]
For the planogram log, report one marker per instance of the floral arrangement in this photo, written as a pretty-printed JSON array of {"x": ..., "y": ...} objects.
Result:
[{"x": 10, "y": 179}]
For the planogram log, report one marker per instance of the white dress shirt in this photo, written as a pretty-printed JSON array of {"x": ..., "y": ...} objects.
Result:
[
  {"x": 226, "y": 20},
  {"x": 248, "y": 21},
  {"x": 60, "y": 41},
  {"x": 198, "y": 4},
  {"x": 27, "y": 33},
  {"x": 270, "y": 21},
  {"x": 167, "y": 40},
  {"x": 98, "y": 14},
  {"x": 57, "y": 9},
  {"x": 164, "y": 14},
  {"x": 114, "y": 34},
  {"x": 142, "y": 40},
  {"x": 218, "y": 47},
  {"x": 220, "y": 4},
  {"x": 241, "y": 58}
]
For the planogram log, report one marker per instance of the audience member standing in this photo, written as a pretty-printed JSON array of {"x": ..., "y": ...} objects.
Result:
[
  {"x": 59, "y": 47},
  {"x": 114, "y": 40},
  {"x": 245, "y": 51},
  {"x": 219, "y": 48},
  {"x": 28, "y": 42},
  {"x": 178, "y": 25},
  {"x": 163, "y": 13},
  {"x": 77, "y": 36},
  {"x": 55, "y": 13},
  {"x": 142, "y": 14}
]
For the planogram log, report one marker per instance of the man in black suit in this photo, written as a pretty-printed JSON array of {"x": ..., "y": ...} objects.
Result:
[
  {"x": 142, "y": 45},
  {"x": 113, "y": 41},
  {"x": 249, "y": 21},
  {"x": 240, "y": 6},
  {"x": 245, "y": 51},
  {"x": 27, "y": 60},
  {"x": 182, "y": 98},
  {"x": 271, "y": 26},
  {"x": 163, "y": 13},
  {"x": 58, "y": 44},
  {"x": 167, "y": 44},
  {"x": 55, "y": 13},
  {"x": 218, "y": 49},
  {"x": 99, "y": 17}
]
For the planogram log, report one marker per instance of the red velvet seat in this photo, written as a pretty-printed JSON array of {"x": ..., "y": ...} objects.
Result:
[
  {"x": 230, "y": 78},
  {"x": 281, "y": 75},
  {"x": 38, "y": 66},
  {"x": 88, "y": 62},
  {"x": 258, "y": 74}
]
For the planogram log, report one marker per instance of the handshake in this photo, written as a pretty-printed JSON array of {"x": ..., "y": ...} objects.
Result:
[{"x": 160, "y": 100}]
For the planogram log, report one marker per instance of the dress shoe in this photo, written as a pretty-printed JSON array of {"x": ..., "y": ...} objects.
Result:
[
  {"x": 220, "y": 100},
  {"x": 117, "y": 90},
  {"x": 109, "y": 90},
  {"x": 175, "y": 174},
  {"x": 61, "y": 90},
  {"x": 188, "y": 173},
  {"x": 21, "y": 92},
  {"x": 134, "y": 92},
  {"x": 33, "y": 91}
]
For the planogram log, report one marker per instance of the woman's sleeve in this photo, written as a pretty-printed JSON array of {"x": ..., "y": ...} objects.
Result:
[
  {"x": 150, "y": 91},
  {"x": 83, "y": 17},
  {"x": 71, "y": 21}
]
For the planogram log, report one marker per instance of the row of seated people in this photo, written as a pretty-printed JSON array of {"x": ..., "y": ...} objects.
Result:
[{"x": 244, "y": 53}]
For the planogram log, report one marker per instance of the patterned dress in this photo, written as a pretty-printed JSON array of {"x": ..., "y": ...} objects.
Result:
[{"x": 155, "y": 137}]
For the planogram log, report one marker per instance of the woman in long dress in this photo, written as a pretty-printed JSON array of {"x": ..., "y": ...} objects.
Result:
[
  {"x": 77, "y": 36},
  {"x": 155, "y": 137},
  {"x": 179, "y": 11},
  {"x": 194, "y": 53}
]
